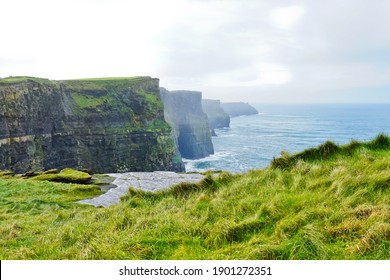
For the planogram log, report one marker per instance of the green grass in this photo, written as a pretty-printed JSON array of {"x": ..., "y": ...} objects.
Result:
[
  {"x": 97, "y": 84},
  {"x": 66, "y": 175},
  {"x": 333, "y": 203},
  {"x": 328, "y": 150},
  {"x": 86, "y": 101},
  {"x": 20, "y": 79},
  {"x": 128, "y": 99},
  {"x": 133, "y": 100},
  {"x": 105, "y": 79}
]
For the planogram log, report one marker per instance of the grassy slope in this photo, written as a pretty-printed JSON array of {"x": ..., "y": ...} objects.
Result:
[{"x": 332, "y": 205}]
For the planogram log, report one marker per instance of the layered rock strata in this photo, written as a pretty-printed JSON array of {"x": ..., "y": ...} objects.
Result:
[{"x": 103, "y": 125}]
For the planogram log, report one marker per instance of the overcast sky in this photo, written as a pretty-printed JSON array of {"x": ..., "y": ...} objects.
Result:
[{"x": 255, "y": 51}]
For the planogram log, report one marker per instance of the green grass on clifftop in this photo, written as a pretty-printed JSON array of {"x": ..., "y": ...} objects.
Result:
[
  {"x": 20, "y": 79},
  {"x": 103, "y": 83},
  {"x": 320, "y": 205}
]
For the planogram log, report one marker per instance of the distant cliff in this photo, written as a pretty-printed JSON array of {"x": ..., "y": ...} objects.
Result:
[
  {"x": 218, "y": 118},
  {"x": 105, "y": 125},
  {"x": 235, "y": 109},
  {"x": 183, "y": 110}
]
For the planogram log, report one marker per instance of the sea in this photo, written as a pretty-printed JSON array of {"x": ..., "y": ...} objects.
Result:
[{"x": 253, "y": 141}]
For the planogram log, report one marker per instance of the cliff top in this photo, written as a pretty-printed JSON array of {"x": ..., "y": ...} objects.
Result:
[
  {"x": 20, "y": 79},
  {"x": 187, "y": 93},
  {"x": 211, "y": 101},
  {"x": 235, "y": 109}
]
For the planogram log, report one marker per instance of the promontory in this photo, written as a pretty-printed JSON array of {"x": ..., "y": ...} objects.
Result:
[{"x": 102, "y": 125}]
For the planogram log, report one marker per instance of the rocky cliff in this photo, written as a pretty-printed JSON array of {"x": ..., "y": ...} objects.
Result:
[
  {"x": 183, "y": 110},
  {"x": 218, "y": 118},
  {"x": 104, "y": 125},
  {"x": 235, "y": 109}
]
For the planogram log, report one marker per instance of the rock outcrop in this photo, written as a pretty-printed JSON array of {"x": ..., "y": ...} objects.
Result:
[
  {"x": 218, "y": 118},
  {"x": 146, "y": 181},
  {"x": 183, "y": 111},
  {"x": 235, "y": 109},
  {"x": 103, "y": 125}
]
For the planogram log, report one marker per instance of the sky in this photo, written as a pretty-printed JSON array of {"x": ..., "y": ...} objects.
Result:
[{"x": 232, "y": 50}]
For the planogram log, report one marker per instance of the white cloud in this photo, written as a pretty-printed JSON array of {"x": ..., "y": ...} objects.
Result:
[
  {"x": 258, "y": 75},
  {"x": 287, "y": 17},
  {"x": 263, "y": 49}
]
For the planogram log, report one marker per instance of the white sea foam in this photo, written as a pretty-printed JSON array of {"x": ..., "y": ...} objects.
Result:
[{"x": 202, "y": 164}]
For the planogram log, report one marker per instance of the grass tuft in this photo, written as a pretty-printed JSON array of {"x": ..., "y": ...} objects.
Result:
[
  {"x": 327, "y": 151},
  {"x": 329, "y": 202},
  {"x": 67, "y": 175},
  {"x": 380, "y": 142}
]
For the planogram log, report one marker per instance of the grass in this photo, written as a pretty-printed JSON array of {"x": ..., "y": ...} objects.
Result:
[
  {"x": 96, "y": 84},
  {"x": 19, "y": 79},
  {"x": 66, "y": 175},
  {"x": 131, "y": 99},
  {"x": 86, "y": 101},
  {"x": 332, "y": 202},
  {"x": 105, "y": 79},
  {"x": 329, "y": 150}
]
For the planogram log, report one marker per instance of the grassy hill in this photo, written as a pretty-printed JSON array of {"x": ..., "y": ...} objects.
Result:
[{"x": 330, "y": 202}]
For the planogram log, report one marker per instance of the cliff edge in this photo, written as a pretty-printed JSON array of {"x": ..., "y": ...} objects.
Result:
[
  {"x": 218, "y": 118},
  {"x": 235, "y": 109},
  {"x": 103, "y": 125},
  {"x": 183, "y": 111}
]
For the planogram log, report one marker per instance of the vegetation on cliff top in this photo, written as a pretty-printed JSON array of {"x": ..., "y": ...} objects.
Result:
[
  {"x": 315, "y": 206},
  {"x": 108, "y": 80},
  {"x": 104, "y": 83},
  {"x": 135, "y": 100},
  {"x": 20, "y": 79}
]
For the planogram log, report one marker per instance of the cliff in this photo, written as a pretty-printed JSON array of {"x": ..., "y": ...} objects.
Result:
[
  {"x": 218, "y": 118},
  {"x": 236, "y": 109},
  {"x": 104, "y": 125},
  {"x": 183, "y": 111}
]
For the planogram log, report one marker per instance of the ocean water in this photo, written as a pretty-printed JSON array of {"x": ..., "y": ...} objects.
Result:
[{"x": 252, "y": 141}]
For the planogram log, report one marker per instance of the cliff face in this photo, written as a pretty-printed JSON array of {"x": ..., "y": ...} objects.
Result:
[
  {"x": 236, "y": 109},
  {"x": 183, "y": 110},
  {"x": 104, "y": 125},
  {"x": 218, "y": 118}
]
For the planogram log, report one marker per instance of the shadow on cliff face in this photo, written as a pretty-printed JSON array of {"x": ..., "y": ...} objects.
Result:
[
  {"x": 190, "y": 125},
  {"x": 190, "y": 146}
]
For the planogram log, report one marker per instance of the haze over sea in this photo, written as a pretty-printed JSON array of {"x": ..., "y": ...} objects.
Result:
[{"x": 252, "y": 141}]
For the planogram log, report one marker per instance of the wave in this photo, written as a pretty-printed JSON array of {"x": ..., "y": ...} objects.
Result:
[{"x": 207, "y": 163}]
